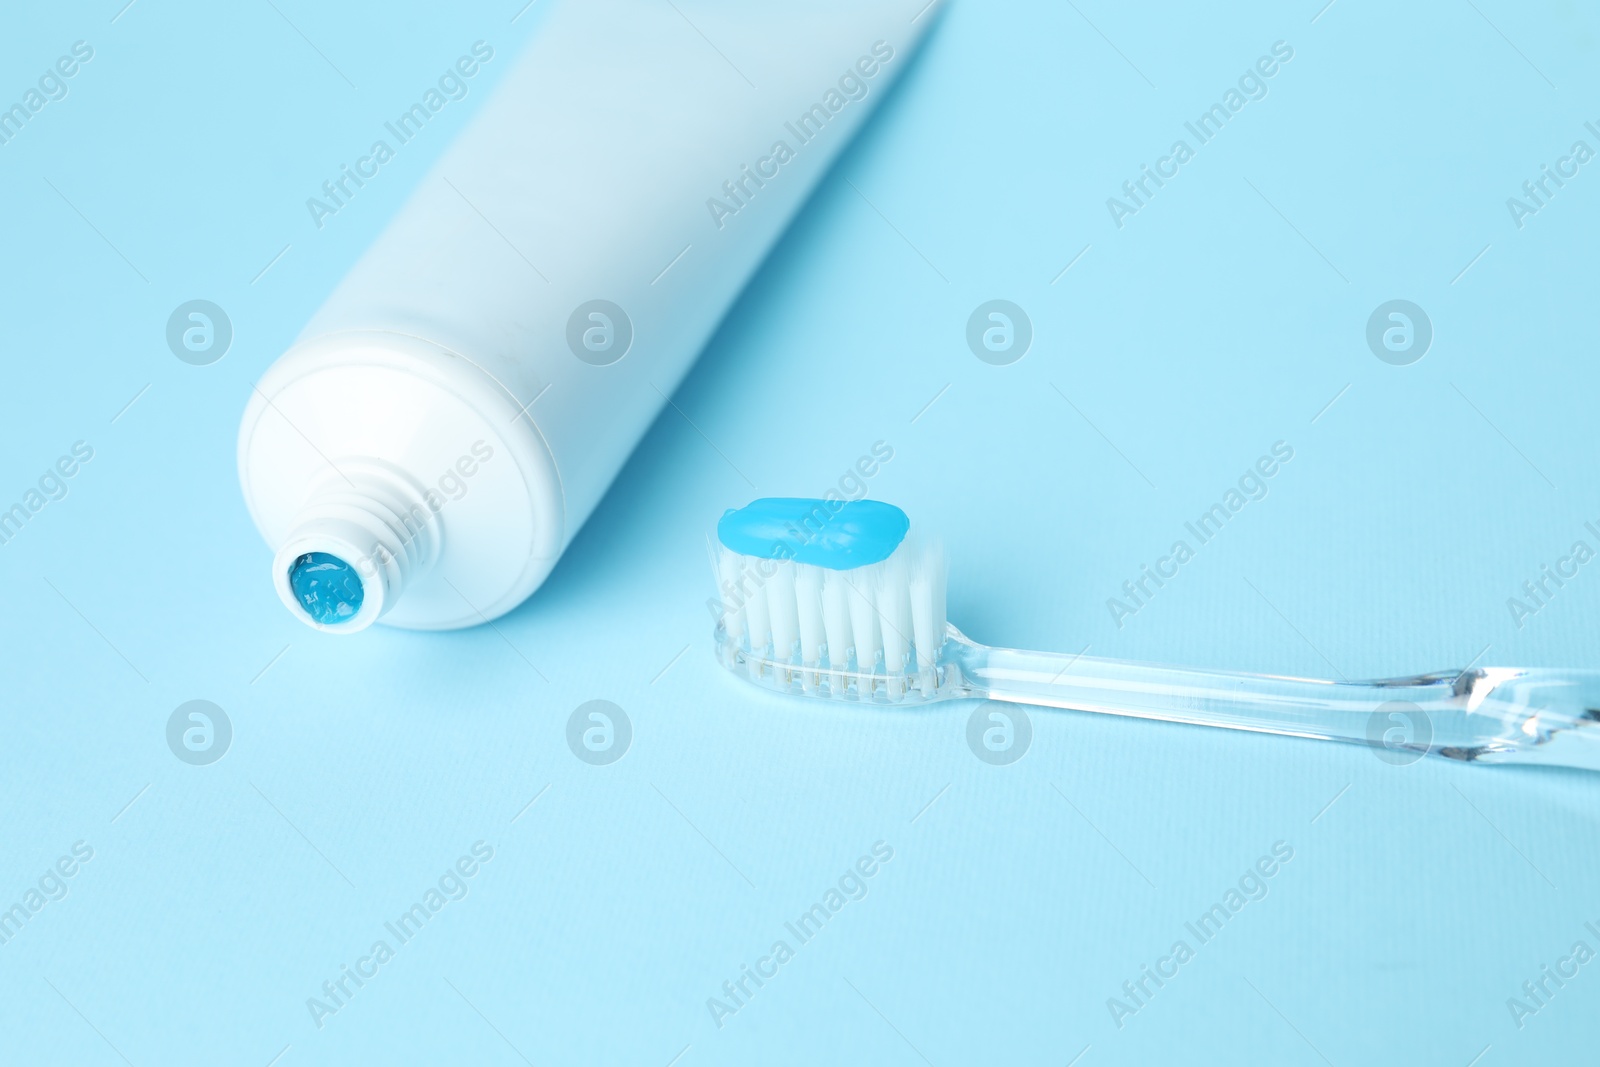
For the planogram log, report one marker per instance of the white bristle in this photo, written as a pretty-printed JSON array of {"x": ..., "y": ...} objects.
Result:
[
  {"x": 891, "y": 612},
  {"x": 730, "y": 598},
  {"x": 836, "y": 618},
  {"x": 863, "y": 587},
  {"x": 927, "y": 586},
  {"x": 755, "y": 616},
  {"x": 894, "y": 612},
  {"x": 781, "y": 610},
  {"x": 808, "y": 606}
]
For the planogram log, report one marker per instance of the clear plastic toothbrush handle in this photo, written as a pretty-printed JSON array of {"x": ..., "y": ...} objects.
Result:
[{"x": 1483, "y": 714}]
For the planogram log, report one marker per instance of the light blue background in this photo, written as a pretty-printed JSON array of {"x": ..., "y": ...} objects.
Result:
[{"x": 1225, "y": 316}]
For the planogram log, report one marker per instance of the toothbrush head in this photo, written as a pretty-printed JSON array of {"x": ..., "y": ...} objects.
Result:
[{"x": 830, "y": 598}]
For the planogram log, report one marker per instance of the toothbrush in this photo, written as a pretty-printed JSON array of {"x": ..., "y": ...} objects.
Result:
[{"x": 841, "y": 600}]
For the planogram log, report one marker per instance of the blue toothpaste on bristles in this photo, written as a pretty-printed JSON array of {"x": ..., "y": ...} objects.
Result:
[
  {"x": 840, "y": 587},
  {"x": 838, "y": 535}
]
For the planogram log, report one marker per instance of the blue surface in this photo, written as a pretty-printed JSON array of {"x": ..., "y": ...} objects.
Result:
[{"x": 1228, "y": 313}]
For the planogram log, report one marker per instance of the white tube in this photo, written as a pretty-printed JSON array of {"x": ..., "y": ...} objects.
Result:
[{"x": 458, "y": 407}]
